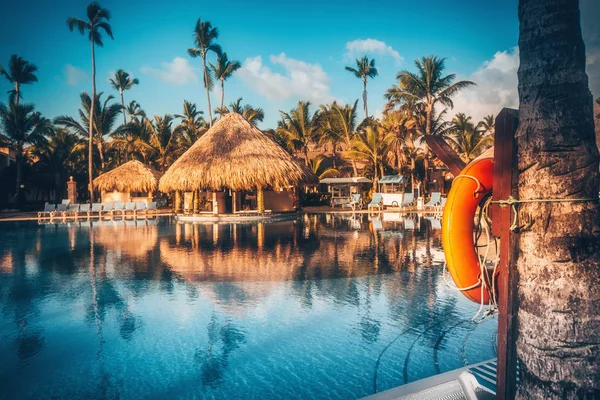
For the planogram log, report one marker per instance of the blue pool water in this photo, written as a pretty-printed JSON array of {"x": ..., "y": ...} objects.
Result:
[{"x": 322, "y": 307}]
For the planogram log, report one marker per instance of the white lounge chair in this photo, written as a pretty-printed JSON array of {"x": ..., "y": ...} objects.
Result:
[
  {"x": 354, "y": 203},
  {"x": 129, "y": 208},
  {"x": 85, "y": 210},
  {"x": 66, "y": 201},
  {"x": 436, "y": 197},
  {"x": 376, "y": 202},
  {"x": 440, "y": 207},
  {"x": 60, "y": 211},
  {"x": 72, "y": 210},
  {"x": 151, "y": 208},
  {"x": 140, "y": 206},
  {"x": 118, "y": 207},
  {"x": 407, "y": 199},
  {"x": 107, "y": 208},
  {"x": 96, "y": 209},
  {"x": 48, "y": 209}
]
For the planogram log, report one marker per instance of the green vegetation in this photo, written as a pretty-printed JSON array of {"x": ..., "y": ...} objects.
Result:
[{"x": 330, "y": 139}]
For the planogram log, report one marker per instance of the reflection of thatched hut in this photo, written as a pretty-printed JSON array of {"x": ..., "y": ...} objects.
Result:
[
  {"x": 132, "y": 181},
  {"x": 236, "y": 157}
]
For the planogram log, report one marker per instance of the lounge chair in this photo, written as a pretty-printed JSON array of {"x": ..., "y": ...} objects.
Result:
[
  {"x": 96, "y": 209},
  {"x": 72, "y": 210},
  {"x": 339, "y": 201},
  {"x": 61, "y": 211},
  {"x": 107, "y": 208},
  {"x": 139, "y": 207},
  {"x": 354, "y": 203},
  {"x": 48, "y": 209},
  {"x": 85, "y": 210},
  {"x": 129, "y": 208},
  {"x": 436, "y": 198},
  {"x": 440, "y": 207},
  {"x": 376, "y": 202},
  {"x": 407, "y": 199},
  {"x": 66, "y": 201},
  {"x": 151, "y": 207},
  {"x": 118, "y": 207}
]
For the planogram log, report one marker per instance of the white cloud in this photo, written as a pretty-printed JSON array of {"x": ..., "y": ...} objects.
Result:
[
  {"x": 496, "y": 87},
  {"x": 73, "y": 75},
  {"x": 177, "y": 72},
  {"x": 301, "y": 80},
  {"x": 359, "y": 47}
]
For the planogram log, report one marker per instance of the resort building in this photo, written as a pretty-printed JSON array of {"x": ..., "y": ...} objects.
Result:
[
  {"x": 234, "y": 168},
  {"x": 130, "y": 182}
]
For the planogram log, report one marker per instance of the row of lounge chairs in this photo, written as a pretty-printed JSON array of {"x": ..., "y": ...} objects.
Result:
[
  {"x": 437, "y": 202},
  {"x": 99, "y": 210}
]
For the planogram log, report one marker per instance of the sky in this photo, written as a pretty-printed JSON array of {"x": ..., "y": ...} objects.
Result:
[{"x": 289, "y": 51}]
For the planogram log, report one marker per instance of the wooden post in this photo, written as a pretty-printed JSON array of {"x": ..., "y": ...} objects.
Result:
[
  {"x": 215, "y": 203},
  {"x": 260, "y": 200},
  {"x": 233, "y": 201},
  {"x": 177, "y": 204},
  {"x": 196, "y": 207},
  {"x": 505, "y": 180}
]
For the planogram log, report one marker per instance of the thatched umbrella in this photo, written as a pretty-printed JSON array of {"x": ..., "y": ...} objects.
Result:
[
  {"x": 133, "y": 176},
  {"x": 235, "y": 155}
]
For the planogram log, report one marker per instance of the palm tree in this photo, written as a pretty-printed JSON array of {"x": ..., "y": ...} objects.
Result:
[
  {"x": 191, "y": 128},
  {"x": 486, "y": 125},
  {"x": 299, "y": 128},
  {"x": 223, "y": 71},
  {"x": 558, "y": 261},
  {"x": 161, "y": 140},
  {"x": 135, "y": 111},
  {"x": 57, "y": 154},
  {"x": 371, "y": 146},
  {"x": 320, "y": 171},
  {"x": 104, "y": 118},
  {"x": 250, "y": 114},
  {"x": 121, "y": 82},
  {"x": 468, "y": 141},
  {"x": 337, "y": 124},
  {"x": 400, "y": 126},
  {"x": 204, "y": 37},
  {"x": 22, "y": 125},
  {"x": 97, "y": 19},
  {"x": 365, "y": 68},
  {"x": 427, "y": 87},
  {"x": 20, "y": 72}
]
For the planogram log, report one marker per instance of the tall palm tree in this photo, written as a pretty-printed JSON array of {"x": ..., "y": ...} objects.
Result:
[
  {"x": 104, "y": 118},
  {"x": 135, "y": 111},
  {"x": 121, "y": 82},
  {"x": 161, "y": 141},
  {"x": 191, "y": 127},
  {"x": 57, "y": 155},
  {"x": 223, "y": 71},
  {"x": 428, "y": 87},
  {"x": 338, "y": 125},
  {"x": 20, "y": 72},
  {"x": 365, "y": 68},
  {"x": 468, "y": 141},
  {"x": 204, "y": 37},
  {"x": 22, "y": 125},
  {"x": 486, "y": 125},
  {"x": 97, "y": 20},
  {"x": 299, "y": 128},
  {"x": 400, "y": 125},
  {"x": 371, "y": 146},
  {"x": 558, "y": 262},
  {"x": 250, "y": 114}
]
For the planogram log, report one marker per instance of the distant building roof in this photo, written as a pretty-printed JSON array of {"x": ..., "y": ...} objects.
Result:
[
  {"x": 392, "y": 179},
  {"x": 344, "y": 181}
]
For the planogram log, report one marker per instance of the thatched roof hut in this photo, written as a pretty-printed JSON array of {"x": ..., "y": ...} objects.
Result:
[
  {"x": 233, "y": 154},
  {"x": 133, "y": 176}
]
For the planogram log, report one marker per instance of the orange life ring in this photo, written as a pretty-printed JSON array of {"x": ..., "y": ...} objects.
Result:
[{"x": 467, "y": 192}]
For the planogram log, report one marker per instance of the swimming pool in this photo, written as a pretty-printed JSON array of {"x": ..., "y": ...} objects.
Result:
[{"x": 322, "y": 307}]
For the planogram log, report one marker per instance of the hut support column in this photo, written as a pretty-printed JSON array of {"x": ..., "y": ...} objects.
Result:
[
  {"x": 177, "y": 204},
  {"x": 196, "y": 194},
  {"x": 260, "y": 200},
  {"x": 215, "y": 204},
  {"x": 233, "y": 202}
]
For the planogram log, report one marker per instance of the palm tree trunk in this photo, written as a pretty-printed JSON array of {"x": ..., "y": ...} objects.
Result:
[
  {"x": 19, "y": 162},
  {"x": 365, "y": 97},
  {"x": 91, "y": 135},
  {"x": 306, "y": 156},
  {"x": 17, "y": 93},
  {"x": 222, "y": 92},
  {"x": 559, "y": 255},
  {"x": 123, "y": 105},
  {"x": 207, "y": 91}
]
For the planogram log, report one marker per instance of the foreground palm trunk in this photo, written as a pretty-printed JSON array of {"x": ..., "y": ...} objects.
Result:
[
  {"x": 559, "y": 260},
  {"x": 91, "y": 137}
]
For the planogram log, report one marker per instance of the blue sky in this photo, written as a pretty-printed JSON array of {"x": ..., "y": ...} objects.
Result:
[{"x": 290, "y": 50}]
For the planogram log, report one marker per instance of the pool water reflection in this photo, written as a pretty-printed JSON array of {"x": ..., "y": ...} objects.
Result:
[{"x": 322, "y": 307}]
